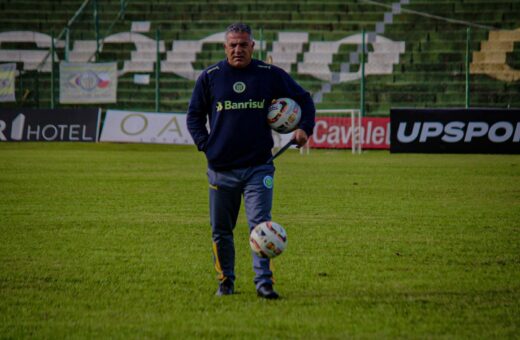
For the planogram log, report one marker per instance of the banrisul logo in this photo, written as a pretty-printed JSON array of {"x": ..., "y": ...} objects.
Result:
[
  {"x": 239, "y": 87},
  {"x": 231, "y": 105}
]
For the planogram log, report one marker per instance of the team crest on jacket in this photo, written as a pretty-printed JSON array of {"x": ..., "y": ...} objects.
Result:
[{"x": 239, "y": 87}]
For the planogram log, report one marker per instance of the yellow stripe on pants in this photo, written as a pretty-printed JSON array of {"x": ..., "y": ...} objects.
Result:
[{"x": 218, "y": 268}]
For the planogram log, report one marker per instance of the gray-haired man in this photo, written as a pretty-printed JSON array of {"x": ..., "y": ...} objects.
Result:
[{"x": 234, "y": 95}]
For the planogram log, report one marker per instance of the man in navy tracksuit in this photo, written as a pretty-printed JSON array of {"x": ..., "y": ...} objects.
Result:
[{"x": 234, "y": 95}]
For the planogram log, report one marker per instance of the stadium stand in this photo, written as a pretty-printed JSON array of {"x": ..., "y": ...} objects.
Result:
[{"x": 416, "y": 48}]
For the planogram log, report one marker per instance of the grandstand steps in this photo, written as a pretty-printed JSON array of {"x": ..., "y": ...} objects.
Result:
[{"x": 430, "y": 73}]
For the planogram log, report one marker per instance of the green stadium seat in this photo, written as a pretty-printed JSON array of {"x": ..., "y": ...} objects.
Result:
[{"x": 422, "y": 64}]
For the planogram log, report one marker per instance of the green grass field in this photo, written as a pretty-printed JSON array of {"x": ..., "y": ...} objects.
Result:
[{"x": 113, "y": 241}]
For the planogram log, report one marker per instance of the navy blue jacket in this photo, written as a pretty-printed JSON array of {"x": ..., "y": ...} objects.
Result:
[{"x": 236, "y": 101}]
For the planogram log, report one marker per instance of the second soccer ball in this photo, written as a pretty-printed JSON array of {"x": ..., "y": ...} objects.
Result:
[{"x": 268, "y": 239}]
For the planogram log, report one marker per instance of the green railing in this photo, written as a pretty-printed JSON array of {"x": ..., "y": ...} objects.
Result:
[{"x": 99, "y": 40}]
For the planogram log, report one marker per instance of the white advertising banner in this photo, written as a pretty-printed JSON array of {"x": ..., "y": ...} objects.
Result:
[
  {"x": 7, "y": 75},
  {"x": 145, "y": 127},
  {"x": 85, "y": 83},
  {"x": 160, "y": 128}
]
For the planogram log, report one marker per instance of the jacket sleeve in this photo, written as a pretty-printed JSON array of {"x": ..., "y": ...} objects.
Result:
[
  {"x": 198, "y": 111},
  {"x": 293, "y": 90}
]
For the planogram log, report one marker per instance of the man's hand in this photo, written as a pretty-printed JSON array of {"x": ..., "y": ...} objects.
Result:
[{"x": 300, "y": 137}]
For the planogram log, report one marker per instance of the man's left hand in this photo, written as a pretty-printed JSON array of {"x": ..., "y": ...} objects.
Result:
[{"x": 300, "y": 137}]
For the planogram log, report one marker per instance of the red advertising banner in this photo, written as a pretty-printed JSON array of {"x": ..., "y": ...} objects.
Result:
[{"x": 336, "y": 133}]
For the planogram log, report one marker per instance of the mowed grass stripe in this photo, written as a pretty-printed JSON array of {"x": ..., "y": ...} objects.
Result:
[{"x": 113, "y": 240}]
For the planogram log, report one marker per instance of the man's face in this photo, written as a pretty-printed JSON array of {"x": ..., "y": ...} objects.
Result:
[{"x": 239, "y": 49}]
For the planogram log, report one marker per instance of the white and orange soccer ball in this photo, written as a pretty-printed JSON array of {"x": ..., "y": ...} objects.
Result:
[
  {"x": 284, "y": 115},
  {"x": 268, "y": 239}
]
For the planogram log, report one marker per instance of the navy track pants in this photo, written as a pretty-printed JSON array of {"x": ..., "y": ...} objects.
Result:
[{"x": 226, "y": 189}]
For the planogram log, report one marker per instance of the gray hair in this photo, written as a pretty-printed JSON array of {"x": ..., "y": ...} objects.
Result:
[{"x": 239, "y": 27}]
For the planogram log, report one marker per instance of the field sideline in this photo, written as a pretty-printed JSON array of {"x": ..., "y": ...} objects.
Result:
[{"x": 113, "y": 241}]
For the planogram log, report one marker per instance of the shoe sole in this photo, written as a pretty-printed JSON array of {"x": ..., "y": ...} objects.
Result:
[{"x": 268, "y": 297}]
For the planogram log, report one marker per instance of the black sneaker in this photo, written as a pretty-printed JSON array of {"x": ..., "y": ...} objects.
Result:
[
  {"x": 266, "y": 291},
  {"x": 225, "y": 288}
]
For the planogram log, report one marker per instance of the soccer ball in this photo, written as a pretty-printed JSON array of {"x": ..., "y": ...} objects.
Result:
[
  {"x": 284, "y": 115},
  {"x": 268, "y": 239}
]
